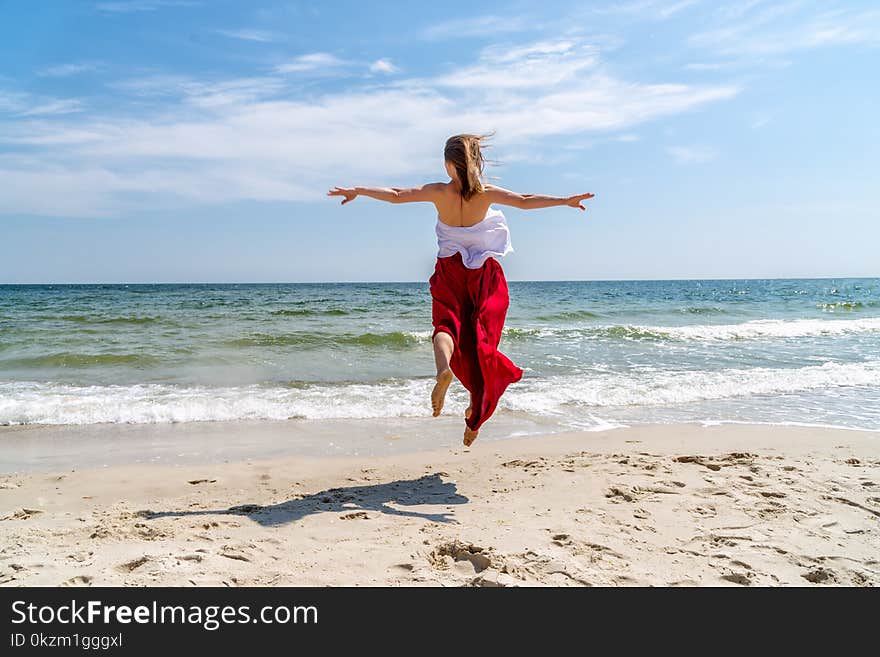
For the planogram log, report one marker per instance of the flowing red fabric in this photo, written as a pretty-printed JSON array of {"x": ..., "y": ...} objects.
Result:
[{"x": 470, "y": 305}]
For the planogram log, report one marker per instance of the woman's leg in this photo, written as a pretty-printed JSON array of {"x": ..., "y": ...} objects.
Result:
[{"x": 443, "y": 349}]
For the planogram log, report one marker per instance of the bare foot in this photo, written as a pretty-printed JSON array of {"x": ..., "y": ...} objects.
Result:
[
  {"x": 438, "y": 394},
  {"x": 468, "y": 411},
  {"x": 469, "y": 436}
]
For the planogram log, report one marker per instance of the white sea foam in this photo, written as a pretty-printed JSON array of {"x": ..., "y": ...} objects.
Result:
[
  {"x": 759, "y": 328},
  {"x": 558, "y": 396},
  {"x": 778, "y": 328},
  {"x": 663, "y": 387}
]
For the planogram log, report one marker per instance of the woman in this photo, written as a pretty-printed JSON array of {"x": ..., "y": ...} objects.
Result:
[{"x": 468, "y": 288}]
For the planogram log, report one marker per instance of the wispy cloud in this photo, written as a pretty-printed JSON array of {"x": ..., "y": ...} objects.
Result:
[
  {"x": 668, "y": 10},
  {"x": 738, "y": 9},
  {"x": 760, "y": 121},
  {"x": 66, "y": 70},
  {"x": 383, "y": 66},
  {"x": 762, "y": 30},
  {"x": 739, "y": 63},
  {"x": 55, "y": 107},
  {"x": 316, "y": 62},
  {"x": 474, "y": 26},
  {"x": 28, "y": 105},
  {"x": 258, "y": 138},
  {"x": 652, "y": 10},
  {"x": 691, "y": 155},
  {"x": 12, "y": 102},
  {"x": 132, "y": 6},
  {"x": 542, "y": 64},
  {"x": 260, "y": 36},
  {"x": 202, "y": 93}
]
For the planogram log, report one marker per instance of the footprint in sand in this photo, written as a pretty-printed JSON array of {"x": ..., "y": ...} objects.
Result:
[
  {"x": 134, "y": 564},
  {"x": 820, "y": 576},
  {"x": 738, "y": 578},
  {"x": 447, "y": 555},
  {"x": 533, "y": 466},
  {"x": 22, "y": 514},
  {"x": 236, "y": 552},
  {"x": 357, "y": 515},
  {"x": 699, "y": 460},
  {"x": 79, "y": 580},
  {"x": 618, "y": 493}
]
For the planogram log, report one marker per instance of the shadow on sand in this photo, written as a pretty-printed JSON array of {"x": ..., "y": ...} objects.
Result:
[{"x": 429, "y": 489}]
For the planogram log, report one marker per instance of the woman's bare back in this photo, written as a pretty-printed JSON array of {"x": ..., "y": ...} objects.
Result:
[{"x": 453, "y": 210}]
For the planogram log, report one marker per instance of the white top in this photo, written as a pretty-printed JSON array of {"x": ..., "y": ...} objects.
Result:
[{"x": 490, "y": 238}]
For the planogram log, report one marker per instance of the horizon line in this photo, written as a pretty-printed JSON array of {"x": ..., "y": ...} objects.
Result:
[{"x": 571, "y": 280}]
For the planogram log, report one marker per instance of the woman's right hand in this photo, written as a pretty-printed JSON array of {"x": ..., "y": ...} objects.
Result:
[
  {"x": 349, "y": 193},
  {"x": 575, "y": 201}
]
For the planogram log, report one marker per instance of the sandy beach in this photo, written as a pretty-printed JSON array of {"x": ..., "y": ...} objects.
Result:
[{"x": 652, "y": 505}]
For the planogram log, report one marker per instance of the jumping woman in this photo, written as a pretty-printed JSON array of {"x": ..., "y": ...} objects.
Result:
[{"x": 468, "y": 287}]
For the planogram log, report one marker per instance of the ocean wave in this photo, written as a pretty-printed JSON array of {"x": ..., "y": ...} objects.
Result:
[
  {"x": 569, "y": 315},
  {"x": 52, "y": 403},
  {"x": 703, "y": 310},
  {"x": 755, "y": 329},
  {"x": 308, "y": 312},
  {"x": 88, "y": 319},
  {"x": 306, "y": 339},
  {"x": 847, "y": 305},
  {"x": 778, "y": 328},
  {"x": 69, "y": 359},
  {"x": 662, "y": 388}
]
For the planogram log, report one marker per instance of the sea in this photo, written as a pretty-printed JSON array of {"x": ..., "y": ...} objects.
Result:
[{"x": 596, "y": 354}]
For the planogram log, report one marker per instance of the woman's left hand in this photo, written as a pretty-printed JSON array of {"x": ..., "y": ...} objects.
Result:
[
  {"x": 349, "y": 193},
  {"x": 575, "y": 201}
]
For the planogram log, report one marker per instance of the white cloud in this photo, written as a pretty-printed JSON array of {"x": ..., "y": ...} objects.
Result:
[
  {"x": 25, "y": 105},
  {"x": 260, "y": 36},
  {"x": 319, "y": 62},
  {"x": 654, "y": 10},
  {"x": 668, "y": 10},
  {"x": 12, "y": 102},
  {"x": 258, "y": 138},
  {"x": 383, "y": 66},
  {"x": 771, "y": 30},
  {"x": 474, "y": 26},
  {"x": 203, "y": 93},
  {"x": 54, "y": 107},
  {"x": 66, "y": 70},
  {"x": 542, "y": 64},
  {"x": 766, "y": 63},
  {"x": 691, "y": 155}
]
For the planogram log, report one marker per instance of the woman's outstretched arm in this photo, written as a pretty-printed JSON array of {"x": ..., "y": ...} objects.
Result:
[
  {"x": 533, "y": 201},
  {"x": 428, "y": 192}
]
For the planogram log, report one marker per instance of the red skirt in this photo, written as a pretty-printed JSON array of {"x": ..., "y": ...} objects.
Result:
[{"x": 470, "y": 305}]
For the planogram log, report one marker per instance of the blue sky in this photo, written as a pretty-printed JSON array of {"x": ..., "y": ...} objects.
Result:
[{"x": 161, "y": 141}]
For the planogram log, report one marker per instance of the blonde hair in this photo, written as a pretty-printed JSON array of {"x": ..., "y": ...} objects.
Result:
[{"x": 464, "y": 152}]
